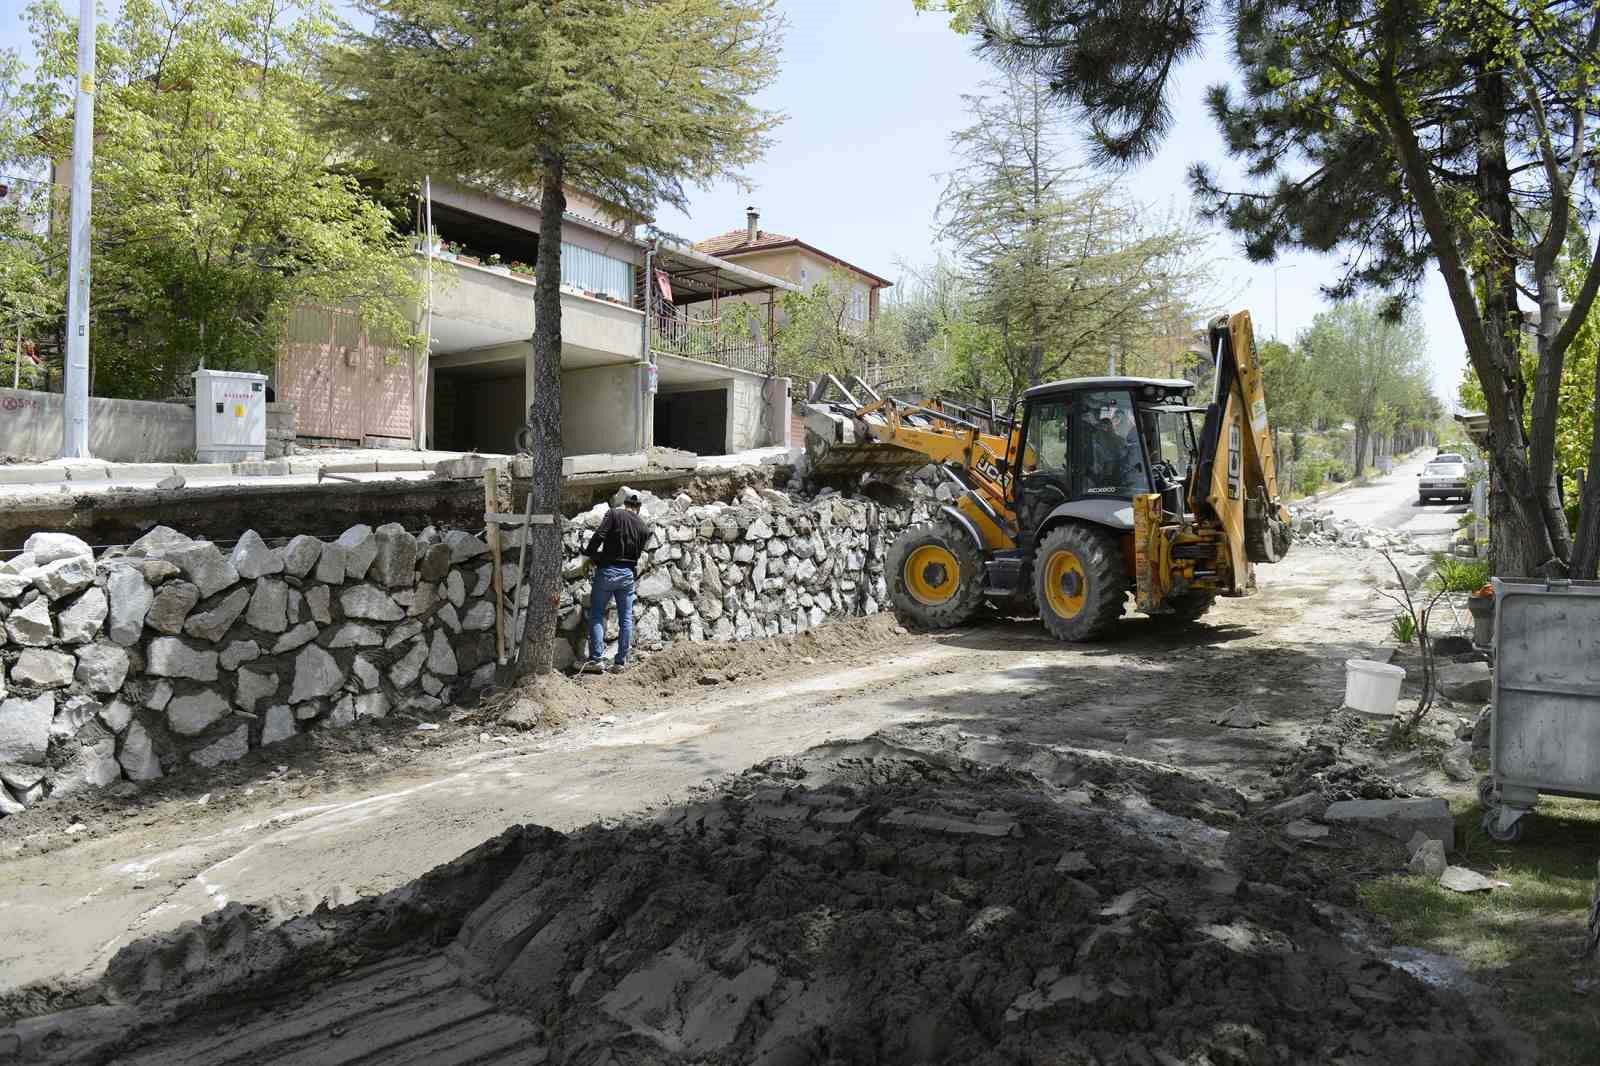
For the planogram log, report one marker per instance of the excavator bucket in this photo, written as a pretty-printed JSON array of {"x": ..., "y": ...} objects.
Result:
[{"x": 840, "y": 442}]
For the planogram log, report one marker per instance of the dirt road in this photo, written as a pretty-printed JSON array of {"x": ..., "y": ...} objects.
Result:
[
  {"x": 1390, "y": 502},
  {"x": 338, "y": 825}
]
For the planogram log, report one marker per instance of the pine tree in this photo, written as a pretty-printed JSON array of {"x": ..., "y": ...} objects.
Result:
[
  {"x": 1400, "y": 133},
  {"x": 628, "y": 99}
]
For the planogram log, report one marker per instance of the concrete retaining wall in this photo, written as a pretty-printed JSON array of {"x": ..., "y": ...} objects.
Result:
[
  {"x": 173, "y": 654},
  {"x": 133, "y": 431}
]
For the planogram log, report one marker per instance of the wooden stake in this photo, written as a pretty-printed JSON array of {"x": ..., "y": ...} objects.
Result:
[{"x": 491, "y": 505}]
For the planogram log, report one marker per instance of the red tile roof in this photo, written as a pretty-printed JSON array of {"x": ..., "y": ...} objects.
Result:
[{"x": 737, "y": 242}]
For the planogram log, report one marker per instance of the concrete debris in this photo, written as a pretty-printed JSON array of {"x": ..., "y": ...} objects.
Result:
[
  {"x": 1471, "y": 683},
  {"x": 1300, "y": 829},
  {"x": 1461, "y": 879},
  {"x": 1428, "y": 859},
  {"x": 1240, "y": 716},
  {"x": 1398, "y": 818},
  {"x": 1305, "y": 805},
  {"x": 1320, "y": 527}
]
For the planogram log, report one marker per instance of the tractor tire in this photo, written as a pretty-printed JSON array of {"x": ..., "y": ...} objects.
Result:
[
  {"x": 1078, "y": 582},
  {"x": 935, "y": 576},
  {"x": 1188, "y": 608}
]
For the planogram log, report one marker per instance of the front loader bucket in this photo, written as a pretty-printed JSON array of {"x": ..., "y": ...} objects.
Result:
[{"x": 841, "y": 445}]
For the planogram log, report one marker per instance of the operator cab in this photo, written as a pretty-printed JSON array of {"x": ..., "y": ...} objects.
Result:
[{"x": 1095, "y": 443}]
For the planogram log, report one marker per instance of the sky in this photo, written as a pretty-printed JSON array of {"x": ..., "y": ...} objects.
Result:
[{"x": 872, "y": 91}]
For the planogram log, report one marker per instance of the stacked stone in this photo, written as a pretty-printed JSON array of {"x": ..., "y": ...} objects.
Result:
[
  {"x": 172, "y": 653},
  {"x": 281, "y": 423},
  {"x": 765, "y": 565},
  {"x": 1320, "y": 527}
]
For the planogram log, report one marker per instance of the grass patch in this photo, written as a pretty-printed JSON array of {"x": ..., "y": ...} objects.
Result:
[{"x": 1521, "y": 939}]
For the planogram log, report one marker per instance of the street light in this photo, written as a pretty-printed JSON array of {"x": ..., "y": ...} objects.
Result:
[
  {"x": 75, "y": 363},
  {"x": 1275, "y": 271}
]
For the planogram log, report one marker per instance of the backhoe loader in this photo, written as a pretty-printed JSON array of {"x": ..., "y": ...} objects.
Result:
[{"x": 1096, "y": 488}]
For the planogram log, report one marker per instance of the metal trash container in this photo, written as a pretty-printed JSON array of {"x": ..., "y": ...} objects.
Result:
[{"x": 1544, "y": 728}]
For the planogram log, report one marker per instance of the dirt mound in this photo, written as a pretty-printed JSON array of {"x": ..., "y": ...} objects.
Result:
[
  {"x": 554, "y": 700},
  {"x": 911, "y": 907},
  {"x": 1327, "y": 762}
]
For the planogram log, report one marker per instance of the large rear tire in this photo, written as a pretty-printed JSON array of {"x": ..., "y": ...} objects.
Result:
[
  {"x": 1079, "y": 582},
  {"x": 935, "y": 576}
]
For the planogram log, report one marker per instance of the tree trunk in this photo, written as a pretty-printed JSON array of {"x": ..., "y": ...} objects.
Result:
[
  {"x": 1586, "y": 542},
  {"x": 544, "y": 591}
]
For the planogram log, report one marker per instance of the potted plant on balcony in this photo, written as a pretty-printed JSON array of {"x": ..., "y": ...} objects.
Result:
[
  {"x": 464, "y": 256},
  {"x": 449, "y": 252},
  {"x": 496, "y": 265},
  {"x": 521, "y": 269}
]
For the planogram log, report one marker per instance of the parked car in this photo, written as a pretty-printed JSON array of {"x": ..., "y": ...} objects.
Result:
[{"x": 1444, "y": 476}]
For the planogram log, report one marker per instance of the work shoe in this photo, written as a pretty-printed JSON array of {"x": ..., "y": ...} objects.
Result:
[
  {"x": 619, "y": 668},
  {"x": 591, "y": 666}
]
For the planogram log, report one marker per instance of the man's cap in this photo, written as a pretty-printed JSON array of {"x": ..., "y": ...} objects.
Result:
[{"x": 634, "y": 501}]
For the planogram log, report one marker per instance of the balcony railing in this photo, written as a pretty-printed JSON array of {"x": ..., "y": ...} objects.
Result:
[{"x": 712, "y": 341}]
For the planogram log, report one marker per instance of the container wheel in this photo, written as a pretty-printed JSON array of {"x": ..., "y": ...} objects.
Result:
[
  {"x": 1486, "y": 791},
  {"x": 1078, "y": 582},
  {"x": 935, "y": 576},
  {"x": 1509, "y": 835}
]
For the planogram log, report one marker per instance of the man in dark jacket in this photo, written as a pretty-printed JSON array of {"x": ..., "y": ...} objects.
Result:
[{"x": 615, "y": 549}]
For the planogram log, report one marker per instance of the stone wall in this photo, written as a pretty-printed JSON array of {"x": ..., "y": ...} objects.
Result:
[{"x": 170, "y": 653}]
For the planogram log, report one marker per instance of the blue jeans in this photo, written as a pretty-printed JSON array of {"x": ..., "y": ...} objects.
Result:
[{"x": 611, "y": 582}]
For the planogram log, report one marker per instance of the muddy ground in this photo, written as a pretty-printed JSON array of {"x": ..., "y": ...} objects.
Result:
[{"x": 341, "y": 817}]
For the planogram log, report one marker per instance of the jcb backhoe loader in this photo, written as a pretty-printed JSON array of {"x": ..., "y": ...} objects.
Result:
[{"x": 1099, "y": 487}]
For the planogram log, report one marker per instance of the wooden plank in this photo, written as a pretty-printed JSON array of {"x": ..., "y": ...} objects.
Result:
[
  {"x": 516, "y": 519},
  {"x": 491, "y": 499}
]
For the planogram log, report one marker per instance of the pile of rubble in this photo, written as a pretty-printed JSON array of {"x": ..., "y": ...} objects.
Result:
[
  {"x": 870, "y": 902},
  {"x": 1320, "y": 527}
]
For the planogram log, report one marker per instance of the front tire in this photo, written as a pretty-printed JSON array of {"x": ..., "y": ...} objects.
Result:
[
  {"x": 935, "y": 576},
  {"x": 1078, "y": 582}
]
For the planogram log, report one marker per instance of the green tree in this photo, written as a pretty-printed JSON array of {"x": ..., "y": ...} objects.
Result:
[
  {"x": 1401, "y": 133},
  {"x": 1368, "y": 366},
  {"x": 1070, "y": 272},
  {"x": 628, "y": 98},
  {"x": 818, "y": 335},
  {"x": 216, "y": 209}
]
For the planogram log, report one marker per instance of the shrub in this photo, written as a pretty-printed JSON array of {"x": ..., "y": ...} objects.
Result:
[{"x": 1459, "y": 575}]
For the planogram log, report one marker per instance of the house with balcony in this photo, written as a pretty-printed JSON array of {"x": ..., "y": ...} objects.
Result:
[
  {"x": 634, "y": 372},
  {"x": 801, "y": 264}
]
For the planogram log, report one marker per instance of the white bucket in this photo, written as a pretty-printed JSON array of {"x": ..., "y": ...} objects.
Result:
[{"x": 1372, "y": 687}]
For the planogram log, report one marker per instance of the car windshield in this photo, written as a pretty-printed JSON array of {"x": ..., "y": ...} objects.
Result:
[
  {"x": 1448, "y": 457},
  {"x": 1445, "y": 469}
]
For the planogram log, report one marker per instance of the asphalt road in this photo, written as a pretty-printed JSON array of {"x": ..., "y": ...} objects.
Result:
[{"x": 1390, "y": 502}]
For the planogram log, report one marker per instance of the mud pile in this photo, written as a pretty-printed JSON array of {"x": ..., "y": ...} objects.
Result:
[{"x": 869, "y": 902}]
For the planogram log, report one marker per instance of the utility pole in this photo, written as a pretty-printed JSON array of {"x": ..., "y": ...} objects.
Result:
[{"x": 75, "y": 386}]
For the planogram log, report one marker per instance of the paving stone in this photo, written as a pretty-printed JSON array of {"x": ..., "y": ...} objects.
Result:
[
  {"x": 31, "y": 626},
  {"x": 395, "y": 564},
  {"x": 300, "y": 555},
  {"x": 138, "y": 756},
  {"x": 1466, "y": 682},
  {"x": 316, "y": 673},
  {"x": 171, "y": 606},
  {"x": 214, "y": 621},
  {"x": 355, "y": 635},
  {"x": 240, "y": 651},
  {"x": 253, "y": 687},
  {"x": 193, "y": 714},
  {"x": 80, "y": 623},
  {"x": 304, "y": 633},
  {"x": 102, "y": 667},
  {"x": 39, "y": 668},
  {"x": 116, "y": 715},
  {"x": 72, "y": 714},
  {"x": 269, "y": 606},
  {"x": 278, "y": 724},
  {"x": 253, "y": 559},
  {"x": 1398, "y": 818},
  {"x": 171, "y": 657},
  {"x": 441, "y": 656},
  {"x": 331, "y": 564},
  {"x": 64, "y": 576},
  {"x": 369, "y": 602},
  {"x": 50, "y": 547},
  {"x": 403, "y": 674},
  {"x": 435, "y": 563},
  {"x": 130, "y": 598},
  {"x": 360, "y": 549},
  {"x": 230, "y": 748}
]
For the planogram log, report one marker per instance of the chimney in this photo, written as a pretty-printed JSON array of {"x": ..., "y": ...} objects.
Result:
[{"x": 752, "y": 220}]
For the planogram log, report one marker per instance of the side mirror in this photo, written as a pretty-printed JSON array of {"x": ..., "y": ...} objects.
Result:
[{"x": 1419, "y": 473}]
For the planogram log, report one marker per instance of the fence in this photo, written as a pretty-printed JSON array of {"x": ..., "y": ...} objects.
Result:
[{"x": 712, "y": 340}]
